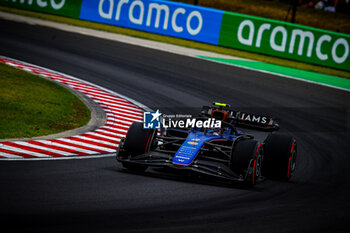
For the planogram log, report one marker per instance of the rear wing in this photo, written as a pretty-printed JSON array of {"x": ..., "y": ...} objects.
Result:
[{"x": 239, "y": 118}]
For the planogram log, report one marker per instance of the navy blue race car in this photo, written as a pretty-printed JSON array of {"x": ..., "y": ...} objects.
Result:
[{"x": 225, "y": 152}]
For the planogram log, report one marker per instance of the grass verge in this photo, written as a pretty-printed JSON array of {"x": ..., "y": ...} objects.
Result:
[
  {"x": 182, "y": 42},
  {"x": 32, "y": 106}
]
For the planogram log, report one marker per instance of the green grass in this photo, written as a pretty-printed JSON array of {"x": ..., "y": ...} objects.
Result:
[
  {"x": 182, "y": 42},
  {"x": 33, "y": 106}
]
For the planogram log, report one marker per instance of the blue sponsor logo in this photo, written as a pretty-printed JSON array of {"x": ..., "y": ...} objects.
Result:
[
  {"x": 151, "y": 120},
  {"x": 157, "y": 16},
  {"x": 190, "y": 148}
]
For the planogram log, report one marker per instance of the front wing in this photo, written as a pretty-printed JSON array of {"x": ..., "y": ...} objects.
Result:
[{"x": 210, "y": 168}]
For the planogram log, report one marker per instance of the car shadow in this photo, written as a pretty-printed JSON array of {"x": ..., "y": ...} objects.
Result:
[{"x": 185, "y": 176}]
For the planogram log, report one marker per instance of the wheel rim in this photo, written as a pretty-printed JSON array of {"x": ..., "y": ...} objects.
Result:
[
  {"x": 258, "y": 166},
  {"x": 292, "y": 164}
]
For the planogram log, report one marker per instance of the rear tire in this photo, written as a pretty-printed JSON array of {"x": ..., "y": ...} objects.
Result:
[
  {"x": 137, "y": 141},
  {"x": 280, "y": 153},
  {"x": 246, "y": 160}
]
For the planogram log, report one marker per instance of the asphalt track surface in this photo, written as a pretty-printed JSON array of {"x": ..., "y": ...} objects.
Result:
[{"x": 98, "y": 195}]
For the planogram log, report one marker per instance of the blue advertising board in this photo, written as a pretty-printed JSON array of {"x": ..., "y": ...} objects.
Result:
[{"x": 157, "y": 16}]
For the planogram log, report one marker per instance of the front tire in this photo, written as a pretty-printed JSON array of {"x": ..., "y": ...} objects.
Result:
[
  {"x": 137, "y": 141},
  {"x": 246, "y": 160}
]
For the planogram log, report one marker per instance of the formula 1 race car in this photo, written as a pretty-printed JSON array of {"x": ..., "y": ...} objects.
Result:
[{"x": 219, "y": 150}]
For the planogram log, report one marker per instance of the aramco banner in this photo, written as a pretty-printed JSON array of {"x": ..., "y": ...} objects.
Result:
[
  {"x": 285, "y": 40},
  {"x": 156, "y": 16}
]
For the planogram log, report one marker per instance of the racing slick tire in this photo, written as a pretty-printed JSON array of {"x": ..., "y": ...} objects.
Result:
[
  {"x": 280, "y": 153},
  {"x": 246, "y": 160},
  {"x": 137, "y": 141}
]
